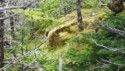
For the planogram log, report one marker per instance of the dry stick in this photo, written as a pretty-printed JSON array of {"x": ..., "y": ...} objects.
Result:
[
  {"x": 113, "y": 50},
  {"x": 7, "y": 6},
  {"x": 109, "y": 62},
  {"x": 21, "y": 57},
  {"x": 110, "y": 49},
  {"x": 10, "y": 16},
  {"x": 113, "y": 30},
  {"x": 13, "y": 7},
  {"x": 60, "y": 64},
  {"x": 3, "y": 9},
  {"x": 22, "y": 38},
  {"x": 16, "y": 7}
]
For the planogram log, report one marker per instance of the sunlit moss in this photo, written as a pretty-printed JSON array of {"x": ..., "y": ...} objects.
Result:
[{"x": 70, "y": 24}]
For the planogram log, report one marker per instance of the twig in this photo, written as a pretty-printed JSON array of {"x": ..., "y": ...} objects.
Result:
[
  {"x": 29, "y": 3},
  {"x": 21, "y": 57},
  {"x": 109, "y": 62},
  {"x": 110, "y": 49},
  {"x": 113, "y": 30},
  {"x": 10, "y": 15}
]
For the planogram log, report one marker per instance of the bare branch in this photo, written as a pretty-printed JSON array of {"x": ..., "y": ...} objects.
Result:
[
  {"x": 6, "y": 17},
  {"x": 8, "y": 8},
  {"x": 113, "y": 63},
  {"x": 113, "y": 30},
  {"x": 24, "y": 6},
  {"x": 110, "y": 49},
  {"x": 15, "y": 7},
  {"x": 16, "y": 60}
]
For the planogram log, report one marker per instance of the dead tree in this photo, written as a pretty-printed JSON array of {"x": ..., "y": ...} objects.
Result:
[
  {"x": 1, "y": 36},
  {"x": 79, "y": 15},
  {"x": 12, "y": 26},
  {"x": 2, "y": 18}
]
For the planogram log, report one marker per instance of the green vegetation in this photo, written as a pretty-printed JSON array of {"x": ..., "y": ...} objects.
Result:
[{"x": 80, "y": 51}]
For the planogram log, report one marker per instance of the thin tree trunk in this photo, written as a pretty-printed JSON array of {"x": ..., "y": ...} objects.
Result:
[
  {"x": 60, "y": 64},
  {"x": 1, "y": 37},
  {"x": 12, "y": 26},
  {"x": 32, "y": 31},
  {"x": 22, "y": 47},
  {"x": 79, "y": 15}
]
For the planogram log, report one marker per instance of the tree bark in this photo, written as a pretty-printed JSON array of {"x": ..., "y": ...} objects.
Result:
[
  {"x": 79, "y": 15},
  {"x": 12, "y": 26},
  {"x": 1, "y": 37},
  {"x": 32, "y": 31}
]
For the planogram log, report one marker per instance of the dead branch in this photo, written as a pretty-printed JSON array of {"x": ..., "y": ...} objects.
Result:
[
  {"x": 113, "y": 63},
  {"x": 24, "y": 6},
  {"x": 6, "y": 17},
  {"x": 16, "y": 60},
  {"x": 16, "y": 7},
  {"x": 113, "y": 30},
  {"x": 109, "y": 48}
]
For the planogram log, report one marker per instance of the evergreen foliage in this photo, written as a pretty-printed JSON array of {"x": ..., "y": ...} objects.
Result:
[{"x": 82, "y": 51}]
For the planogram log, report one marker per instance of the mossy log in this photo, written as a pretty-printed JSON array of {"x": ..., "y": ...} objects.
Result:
[{"x": 53, "y": 35}]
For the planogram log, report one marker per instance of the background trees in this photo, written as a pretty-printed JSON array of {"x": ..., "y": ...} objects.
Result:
[
  {"x": 31, "y": 26},
  {"x": 1, "y": 35}
]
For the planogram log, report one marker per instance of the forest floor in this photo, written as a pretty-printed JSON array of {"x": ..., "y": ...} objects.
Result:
[
  {"x": 61, "y": 37},
  {"x": 68, "y": 29}
]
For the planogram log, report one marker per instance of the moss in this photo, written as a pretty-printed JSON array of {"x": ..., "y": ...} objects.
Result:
[
  {"x": 39, "y": 32},
  {"x": 60, "y": 34}
]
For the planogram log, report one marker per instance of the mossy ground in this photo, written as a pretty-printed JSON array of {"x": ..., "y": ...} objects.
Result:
[
  {"x": 69, "y": 27},
  {"x": 68, "y": 31}
]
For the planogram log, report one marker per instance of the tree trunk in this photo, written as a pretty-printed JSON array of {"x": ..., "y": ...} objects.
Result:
[
  {"x": 79, "y": 15},
  {"x": 1, "y": 37},
  {"x": 60, "y": 64},
  {"x": 12, "y": 26},
  {"x": 32, "y": 31}
]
